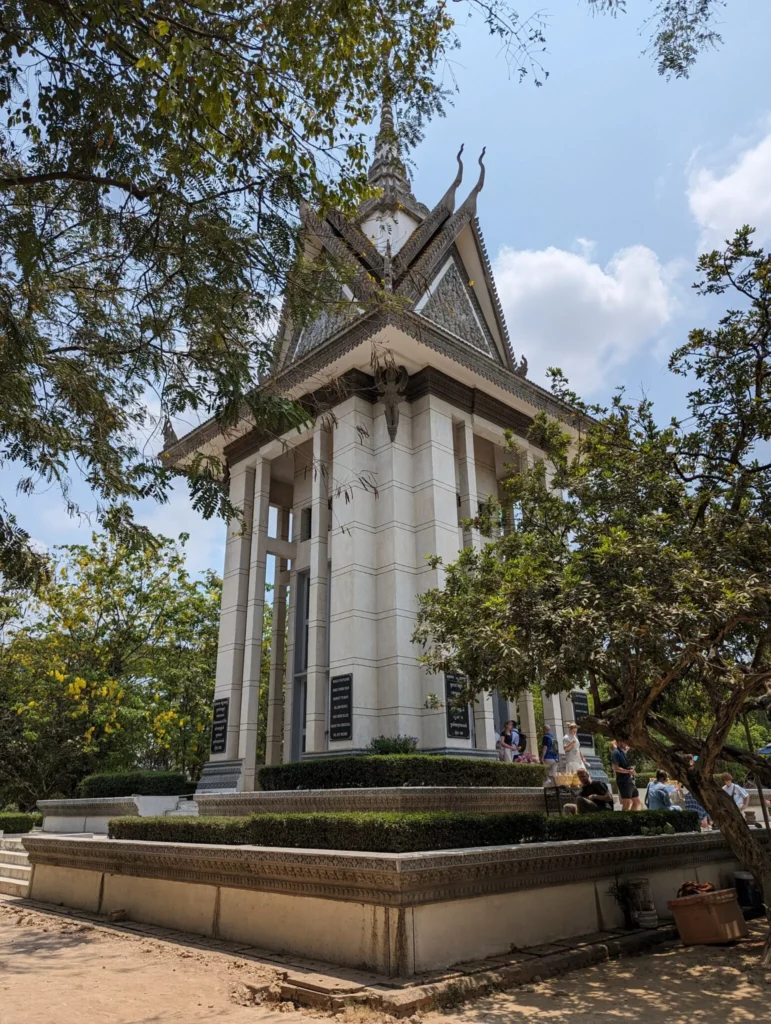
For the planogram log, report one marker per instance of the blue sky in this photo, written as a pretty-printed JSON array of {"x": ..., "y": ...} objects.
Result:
[{"x": 601, "y": 189}]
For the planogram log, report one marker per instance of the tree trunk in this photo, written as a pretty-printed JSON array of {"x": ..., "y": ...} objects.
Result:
[{"x": 745, "y": 844}]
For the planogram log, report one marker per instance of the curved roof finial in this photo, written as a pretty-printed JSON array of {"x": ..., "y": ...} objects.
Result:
[{"x": 471, "y": 200}]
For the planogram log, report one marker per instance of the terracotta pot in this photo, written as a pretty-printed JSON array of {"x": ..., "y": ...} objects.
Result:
[{"x": 710, "y": 918}]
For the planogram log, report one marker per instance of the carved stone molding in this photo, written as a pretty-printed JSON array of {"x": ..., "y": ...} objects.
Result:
[
  {"x": 113, "y": 806},
  {"x": 390, "y": 880},
  {"x": 474, "y": 800}
]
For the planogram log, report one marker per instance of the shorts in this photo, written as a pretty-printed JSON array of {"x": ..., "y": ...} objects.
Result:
[{"x": 626, "y": 787}]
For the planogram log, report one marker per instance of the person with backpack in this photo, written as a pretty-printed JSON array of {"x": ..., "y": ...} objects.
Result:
[{"x": 550, "y": 753}]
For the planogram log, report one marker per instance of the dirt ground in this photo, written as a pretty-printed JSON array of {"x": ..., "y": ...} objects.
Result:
[{"x": 59, "y": 971}]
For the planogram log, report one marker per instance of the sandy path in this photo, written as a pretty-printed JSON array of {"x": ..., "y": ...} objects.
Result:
[{"x": 64, "y": 971}]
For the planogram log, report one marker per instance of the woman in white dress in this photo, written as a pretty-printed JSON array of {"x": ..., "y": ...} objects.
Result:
[{"x": 571, "y": 746}]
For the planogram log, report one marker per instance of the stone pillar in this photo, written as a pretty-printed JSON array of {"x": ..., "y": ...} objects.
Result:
[
  {"x": 357, "y": 619},
  {"x": 250, "y": 699},
  {"x": 275, "y": 723},
  {"x": 566, "y": 709},
  {"x": 436, "y": 531},
  {"x": 235, "y": 588},
  {"x": 469, "y": 500},
  {"x": 290, "y": 655},
  {"x": 318, "y": 650},
  {"x": 552, "y": 716},
  {"x": 526, "y": 719}
]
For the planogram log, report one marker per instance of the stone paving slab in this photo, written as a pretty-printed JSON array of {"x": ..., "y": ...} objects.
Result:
[{"x": 327, "y": 986}]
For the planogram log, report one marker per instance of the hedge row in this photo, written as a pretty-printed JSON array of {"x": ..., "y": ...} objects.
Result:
[
  {"x": 394, "y": 832},
  {"x": 16, "y": 821},
  {"x": 135, "y": 783},
  {"x": 379, "y": 770}
]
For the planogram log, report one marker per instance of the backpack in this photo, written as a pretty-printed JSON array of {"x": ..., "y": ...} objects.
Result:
[{"x": 522, "y": 742}]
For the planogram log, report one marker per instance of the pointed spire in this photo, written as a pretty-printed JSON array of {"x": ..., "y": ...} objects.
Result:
[{"x": 387, "y": 170}]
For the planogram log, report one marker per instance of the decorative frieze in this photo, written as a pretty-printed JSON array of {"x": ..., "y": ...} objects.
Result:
[
  {"x": 101, "y": 807},
  {"x": 390, "y": 880},
  {"x": 473, "y": 800}
]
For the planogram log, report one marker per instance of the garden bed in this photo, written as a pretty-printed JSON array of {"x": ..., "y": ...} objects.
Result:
[
  {"x": 380, "y": 770},
  {"x": 397, "y": 833}
]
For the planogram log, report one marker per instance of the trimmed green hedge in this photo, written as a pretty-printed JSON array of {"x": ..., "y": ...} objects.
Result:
[
  {"x": 406, "y": 832},
  {"x": 135, "y": 783},
  {"x": 17, "y": 821},
  {"x": 364, "y": 771},
  {"x": 618, "y": 823}
]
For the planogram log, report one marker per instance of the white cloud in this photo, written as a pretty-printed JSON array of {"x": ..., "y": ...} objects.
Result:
[
  {"x": 721, "y": 203},
  {"x": 564, "y": 310}
]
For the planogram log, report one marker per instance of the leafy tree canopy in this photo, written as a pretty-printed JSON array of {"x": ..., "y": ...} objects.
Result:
[
  {"x": 638, "y": 559},
  {"x": 152, "y": 158},
  {"x": 110, "y": 666}
]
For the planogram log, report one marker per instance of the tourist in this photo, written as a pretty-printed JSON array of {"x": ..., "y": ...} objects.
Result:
[
  {"x": 739, "y": 796},
  {"x": 627, "y": 791},
  {"x": 658, "y": 797},
  {"x": 571, "y": 745},
  {"x": 594, "y": 795},
  {"x": 509, "y": 742},
  {"x": 550, "y": 754}
]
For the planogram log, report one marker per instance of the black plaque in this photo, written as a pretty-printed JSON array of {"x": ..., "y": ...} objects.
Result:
[
  {"x": 341, "y": 707},
  {"x": 580, "y": 709},
  {"x": 458, "y": 723},
  {"x": 219, "y": 728}
]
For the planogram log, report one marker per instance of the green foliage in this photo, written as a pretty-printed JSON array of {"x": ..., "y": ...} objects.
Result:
[
  {"x": 151, "y": 169},
  {"x": 398, "y": 770},
  {"x": 111, "y": 666},
  {"x": 604, "y": 825},
  {"x": 393, "y": 745},
  {"x": 643, "y": 566},
  {"x": 407, "y": 832},
  {"x": 135, "y": 783},
  {"x": 11, "y": 822}
]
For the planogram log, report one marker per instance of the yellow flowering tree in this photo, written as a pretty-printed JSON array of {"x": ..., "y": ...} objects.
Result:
[{"x": 111, "y": 665}]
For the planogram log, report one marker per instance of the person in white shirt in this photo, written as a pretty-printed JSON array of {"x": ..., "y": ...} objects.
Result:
[
  {"x": 739, "y": 796},
  {"x": 571, "y": 746}
]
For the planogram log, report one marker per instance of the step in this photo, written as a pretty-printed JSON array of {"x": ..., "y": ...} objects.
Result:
[
  {"x": 11, "y": 844},
  {"x": 20, "y": 871},
  {"x": 14, "y": 857},
  {"x": 13, "y": 887}
]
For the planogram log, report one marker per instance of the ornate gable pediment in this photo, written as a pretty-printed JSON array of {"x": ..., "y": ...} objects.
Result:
[{"x": 449, "y": 302}]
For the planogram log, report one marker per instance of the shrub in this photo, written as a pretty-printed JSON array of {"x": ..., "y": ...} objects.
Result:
[
  {"x": 393, "y": 745},
  {"x": 406, "y": 832},
  {"x": 367, "y": 831},
  {"x": 135, "y": 783},
  {"x": 379, "y": 770},
  {"x": 16, "y": 821},
  {"x": 619, "y": 823}
]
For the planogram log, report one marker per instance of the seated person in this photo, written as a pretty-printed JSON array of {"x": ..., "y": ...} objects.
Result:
[
  {"x": 657, "y": 798},
  {"x": 593, "y": 795}
]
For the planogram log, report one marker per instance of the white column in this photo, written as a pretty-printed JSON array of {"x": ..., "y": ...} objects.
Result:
[
  {"x": 436, "y": 530},
  {"x": 467, "y": 473},
  {"x": 250, "y": 699},
  {"x": 552, "y": 716},
  {"x": 526, "y": 719},
  {"x": 318, "y": 665},
  {"x": 235, "y": 586},
  {"x": 354, "y": 607},
  {"x": 290, "y": 654},
  {"x": 566, "y": 709},
  {"x": 276, "y": 691}
]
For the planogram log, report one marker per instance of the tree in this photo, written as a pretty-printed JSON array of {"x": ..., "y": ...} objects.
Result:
[
  {"x": 153, "y": 155},
  {"x": 639, "y": 561},
  {"x": 111, "y": 666}
]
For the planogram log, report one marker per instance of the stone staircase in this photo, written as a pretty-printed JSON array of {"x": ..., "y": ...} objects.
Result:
[
  {"x": 185, "y": 809},
  {"x": 15, "y": 869}
]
